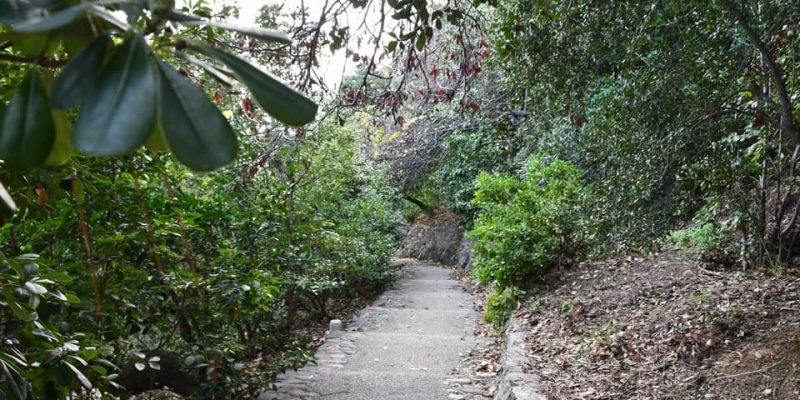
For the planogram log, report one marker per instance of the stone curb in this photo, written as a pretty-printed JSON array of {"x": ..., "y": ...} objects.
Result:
[{"x": 513, "y": 383}]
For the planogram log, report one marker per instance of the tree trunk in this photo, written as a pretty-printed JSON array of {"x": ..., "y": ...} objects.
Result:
[
  {"x": 785, "y": 104},
  {"x": 426, "y": 208}
]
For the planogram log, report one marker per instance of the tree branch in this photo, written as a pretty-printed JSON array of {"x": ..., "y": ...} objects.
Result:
[
  {"x": 44, "y": 62},
  {"x": 428, "y": 209},
  {"x": 785, "y": 107}
]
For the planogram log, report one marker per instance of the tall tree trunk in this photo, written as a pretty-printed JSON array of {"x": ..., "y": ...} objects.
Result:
[{"x": 785, "y": 103}]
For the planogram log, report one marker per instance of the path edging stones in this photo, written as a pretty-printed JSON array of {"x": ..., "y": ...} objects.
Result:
[{"x": 513, "y": 383}]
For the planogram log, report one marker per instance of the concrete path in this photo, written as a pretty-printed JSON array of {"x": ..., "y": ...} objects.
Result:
[{"x": 406, "y": 346}]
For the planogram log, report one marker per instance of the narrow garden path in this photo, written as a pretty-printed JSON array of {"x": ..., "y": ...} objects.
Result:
[{"x": 406, "y": 346}]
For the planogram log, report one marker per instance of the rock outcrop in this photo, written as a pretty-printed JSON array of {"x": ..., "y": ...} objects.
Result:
[
  {"x": 439, "y": 238},
  {"x": 464, "y": 255},
  {"x": 433, "y": 243},
  {"x": 436, "y": 238}
]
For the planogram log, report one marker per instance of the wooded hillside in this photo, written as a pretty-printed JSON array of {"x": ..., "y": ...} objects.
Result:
[{"x": 187, "y": 200}]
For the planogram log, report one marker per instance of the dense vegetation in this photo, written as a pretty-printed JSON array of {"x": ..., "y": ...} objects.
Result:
[
  {"x": 525, "y": 225},
  {"x": 210, "y": 270},
  {"x": 126, "y": 273},
  {"x": 676, "y": 116},
  {"x": 558, "y": 130}
]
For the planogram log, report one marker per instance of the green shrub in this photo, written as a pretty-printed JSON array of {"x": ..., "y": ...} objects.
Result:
[
  {"x": 709, "y": 237},
  {"x": 41, "y": 356},
  {"x": 467, "y": 154},
  {"x": 527, "y": 225},
  {"x": 500, "y": 305},
  {"x": 248, "y": 262},
  {"x": 707, "y": 240}
]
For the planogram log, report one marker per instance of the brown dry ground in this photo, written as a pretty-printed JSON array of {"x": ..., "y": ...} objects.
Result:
[{"x": 664, "y": 327}]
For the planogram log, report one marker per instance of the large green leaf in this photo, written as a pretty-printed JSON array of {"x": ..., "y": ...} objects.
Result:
[
  {"x": 75, "y": 39},
  {"x": 62, "y": 146},
  {"x": 161, "y": 5},
  {"x": 111, "y": 18},
  {"x": 183, "y": 18},
  {"x": 254, "y": 32},
  {"x": 52, "y": 21},
  {"x": 119, "y": 111},
  {"x": 133, "y": 10},
  {"x": 28, "y": 131},
  {"x": 156, "y": 142},
  {"x": 278, "y": 99},
  {"x": 14, "y": 380},
  {"x": 32, "y": 44},
  {"x": 223, "y": 77},
  {"x": 196, "y": 131},
  {"x": 41, "y": 20},
  {"x": 77, "y": 76},
  {"x": 78, "y": 374},
  {"x": 8, "y": 11}
]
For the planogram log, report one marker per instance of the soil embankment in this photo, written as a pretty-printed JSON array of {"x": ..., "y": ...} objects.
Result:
[{"x": 664, "y": 327}]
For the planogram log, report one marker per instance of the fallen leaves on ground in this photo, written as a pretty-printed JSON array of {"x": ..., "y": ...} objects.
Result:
[{"x": 664, "y": 327}]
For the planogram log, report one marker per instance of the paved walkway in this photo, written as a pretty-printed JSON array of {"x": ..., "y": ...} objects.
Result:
[{"x": 406, "y": 346}]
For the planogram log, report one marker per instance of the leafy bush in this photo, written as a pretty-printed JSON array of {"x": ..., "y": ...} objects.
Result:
[
  {"x": 500, "y": 305},
  {"x": 660, "y": 136},
  {"x": 467, "y": 154},
  {"x": 527, "y": 225},
  {"x": 224, "y": 270},
  {"x": 42, "y": 356},
  {"x": 707, "y": 238},
  {"x": 524, "y": 227}
]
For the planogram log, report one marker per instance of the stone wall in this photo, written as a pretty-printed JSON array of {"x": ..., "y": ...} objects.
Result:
[
  {"x": 437, "y": 238},
  {"x": 433, "y": 243},
  {"x": 464, "y": 260}
]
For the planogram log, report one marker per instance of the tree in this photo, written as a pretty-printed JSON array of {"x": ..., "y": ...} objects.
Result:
[
  {"x": 149, "y": 260},
  {"x": 115, "y": 75},
  {"x": 670, "y": 106}
]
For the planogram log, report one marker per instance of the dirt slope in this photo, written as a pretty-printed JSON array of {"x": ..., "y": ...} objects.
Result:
[{"x": 663, "y": 327}]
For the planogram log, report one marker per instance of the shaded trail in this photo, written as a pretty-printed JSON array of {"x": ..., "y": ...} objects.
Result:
[{"x": 403, "y": 347}]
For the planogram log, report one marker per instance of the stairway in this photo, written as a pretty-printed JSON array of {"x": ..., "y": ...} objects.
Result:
[{"x": 403, "y": 347}]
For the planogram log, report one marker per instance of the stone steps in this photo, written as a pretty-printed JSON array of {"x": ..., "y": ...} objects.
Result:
[
  {"x": 347, "y": 385},
  {"x": 404, "y": 347},
  {"x": 425, "y": 301},
  {"x": 419, "y": 322}
]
